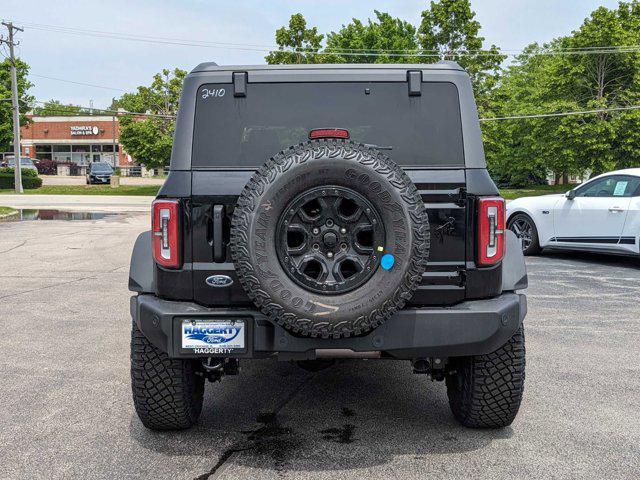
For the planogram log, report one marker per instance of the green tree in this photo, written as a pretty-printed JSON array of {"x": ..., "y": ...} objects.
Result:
[
  {"x": 571, "y": 73},
  {"x": 24, "y": 99},
  {"x": 55, "y": 107},
  {"x": 148, "y": 138},
  {"x": 392, "y": 35},
  {"x": 297, "y": 43},
  {"x": 450, "y": 31}
]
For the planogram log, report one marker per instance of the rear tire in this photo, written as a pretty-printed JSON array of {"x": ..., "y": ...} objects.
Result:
[
  {"x": 167, "y": 393},
  {"x": 486, "y": 390},
  {"x": 517, "y": 224}
]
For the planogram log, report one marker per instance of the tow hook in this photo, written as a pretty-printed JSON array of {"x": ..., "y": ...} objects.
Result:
[
  {"x": 215, "y": 368},
  {"x": 434, "y": 367}
]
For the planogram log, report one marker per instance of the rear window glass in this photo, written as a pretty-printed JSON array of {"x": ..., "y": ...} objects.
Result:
[{"x": 245, "y": 131}]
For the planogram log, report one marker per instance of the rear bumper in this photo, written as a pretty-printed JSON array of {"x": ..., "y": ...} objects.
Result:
[{"x": 469, "y": 328}]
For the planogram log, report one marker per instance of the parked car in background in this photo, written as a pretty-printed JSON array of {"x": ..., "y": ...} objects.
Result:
[
  {"x": 99, "y": 172},
  {"x": 601, "y": 215},
  {"x": 26, "y": 163}
]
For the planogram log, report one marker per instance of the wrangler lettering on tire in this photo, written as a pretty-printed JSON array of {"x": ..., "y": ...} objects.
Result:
[{"x": 309, "y": 231}]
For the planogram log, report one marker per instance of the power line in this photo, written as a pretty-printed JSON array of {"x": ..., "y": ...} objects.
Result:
[
  {"x": 488, "y": 119},
  {"x": 146, "y": 39},
  {"x": 77, "y": 83},
  {"x": 105, "y": 111},
  {"x": 357, "y": 52},
  {"x": 561, "y": 114}
]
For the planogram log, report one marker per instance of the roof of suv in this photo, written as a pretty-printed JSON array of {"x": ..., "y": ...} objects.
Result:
[{"x": 444, "y": 65}]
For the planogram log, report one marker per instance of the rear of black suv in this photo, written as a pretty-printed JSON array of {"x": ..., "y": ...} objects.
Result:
[{"x": 323, "y": 212}]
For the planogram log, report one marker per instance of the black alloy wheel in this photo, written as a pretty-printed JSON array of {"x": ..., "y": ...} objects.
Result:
[{"x": 328, "y": 239}]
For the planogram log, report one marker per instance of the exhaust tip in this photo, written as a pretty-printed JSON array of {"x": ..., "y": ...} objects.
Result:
[{"x": 421, "y": 365}]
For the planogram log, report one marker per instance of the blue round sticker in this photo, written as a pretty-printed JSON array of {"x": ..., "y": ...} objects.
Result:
[{"x": 387, "y": 261}]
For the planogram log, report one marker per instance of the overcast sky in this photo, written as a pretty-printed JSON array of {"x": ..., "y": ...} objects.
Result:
[{"x": 120, "y": 64}]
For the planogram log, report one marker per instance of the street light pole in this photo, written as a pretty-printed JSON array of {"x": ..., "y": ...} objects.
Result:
[{"x": 16, "y": 106}]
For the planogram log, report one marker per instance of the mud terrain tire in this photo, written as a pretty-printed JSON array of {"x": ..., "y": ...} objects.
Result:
[
  {"x": 167, "y": 393},
  {"x": 486, "y": 390}
]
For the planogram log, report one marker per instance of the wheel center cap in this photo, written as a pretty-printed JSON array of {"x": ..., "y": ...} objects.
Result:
[{"x": 330, "y": 239}]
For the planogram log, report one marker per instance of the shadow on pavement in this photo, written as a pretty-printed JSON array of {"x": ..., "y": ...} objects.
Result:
[{"x": 276, "y": 416}]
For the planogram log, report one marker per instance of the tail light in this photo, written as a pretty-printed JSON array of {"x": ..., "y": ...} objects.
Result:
[
  {"x": 328, "y": 133},
  {"x": 491, "y": 227},
  {"x": 166, "y": 233}
]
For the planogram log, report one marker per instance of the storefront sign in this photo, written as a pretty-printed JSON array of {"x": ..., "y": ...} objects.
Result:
[{"x": 83, "y": 130}]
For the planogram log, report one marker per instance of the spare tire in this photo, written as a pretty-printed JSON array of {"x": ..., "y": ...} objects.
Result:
[{"x": 330, "y": 238}]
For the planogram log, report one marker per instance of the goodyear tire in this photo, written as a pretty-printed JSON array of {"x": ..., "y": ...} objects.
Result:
[{"x": 355, "y": 213}]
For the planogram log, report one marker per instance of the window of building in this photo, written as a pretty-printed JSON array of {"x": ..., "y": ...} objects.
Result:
[{"x": 43, "y": 152}]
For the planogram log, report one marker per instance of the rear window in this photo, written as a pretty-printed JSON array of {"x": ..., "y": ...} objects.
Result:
[
  {"x": 245, "y": 131},
  {"x": 100, "y": 167}
]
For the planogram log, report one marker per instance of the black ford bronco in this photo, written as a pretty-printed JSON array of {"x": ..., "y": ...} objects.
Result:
[{"x": 322, "y": 212}]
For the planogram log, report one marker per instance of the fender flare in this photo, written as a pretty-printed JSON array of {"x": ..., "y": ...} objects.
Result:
[
  {"x": 514, "y": 268},
  {"x": 141, "y": 269}
]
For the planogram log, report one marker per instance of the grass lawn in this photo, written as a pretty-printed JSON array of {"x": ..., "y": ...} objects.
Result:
[
  {"x": 512, "y": 194},
  {"x": 137, "y": 190},
  {"x": 6, "y": 211}
]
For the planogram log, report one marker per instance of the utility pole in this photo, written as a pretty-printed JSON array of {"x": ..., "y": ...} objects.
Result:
[{"x": 16, "y": 106}]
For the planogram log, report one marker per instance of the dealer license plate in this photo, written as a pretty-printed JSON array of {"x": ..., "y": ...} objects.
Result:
[{"x": 213, "y": 336}]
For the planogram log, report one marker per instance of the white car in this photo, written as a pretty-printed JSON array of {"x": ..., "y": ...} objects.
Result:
[{"x": 601, "y": 215}]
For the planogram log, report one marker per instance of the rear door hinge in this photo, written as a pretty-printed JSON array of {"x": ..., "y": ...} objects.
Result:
[
  {"x": 462, "y": 274},
  {"x": 461, "y": 200}
]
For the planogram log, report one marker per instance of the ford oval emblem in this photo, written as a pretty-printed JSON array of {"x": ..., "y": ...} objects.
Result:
[{"x": 219, "y": 281}]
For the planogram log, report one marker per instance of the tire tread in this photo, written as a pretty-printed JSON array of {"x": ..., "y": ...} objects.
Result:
[
  {"x": 167, "y": 393},
  {"x": 487, "y": 390},
  {"x": 250, "y": 199}
]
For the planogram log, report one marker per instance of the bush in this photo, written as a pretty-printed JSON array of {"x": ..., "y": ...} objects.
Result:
[
  {"x": 47, "y": 167},
  {"x": 25, "y": 172},
  {"x": 29, "y": 182}
]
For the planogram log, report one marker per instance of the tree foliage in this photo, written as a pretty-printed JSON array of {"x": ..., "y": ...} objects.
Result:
[
  {"x": 450, "y": 31},
  {"x": 448, "y": 28},
  {"x": 549, "y": 79},
  {"x": 148, "y": 138},
  {"x": 55, "y": 107},
  {"x": 297, "y": 43},
  {"x": 353, "y": 41},
  {"x": 24, "y": 100}
]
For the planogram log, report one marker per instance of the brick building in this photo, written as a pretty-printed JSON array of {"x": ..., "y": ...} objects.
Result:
[{"x": 76, "y": 139}]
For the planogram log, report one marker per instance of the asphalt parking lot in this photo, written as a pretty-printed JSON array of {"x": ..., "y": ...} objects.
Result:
[{"x": 67, "y": 411}]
